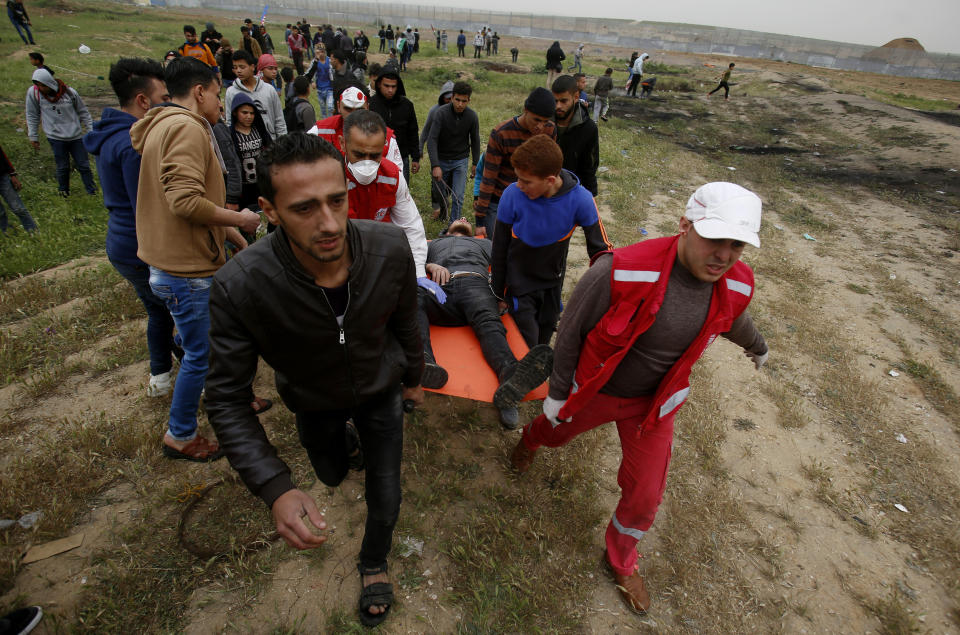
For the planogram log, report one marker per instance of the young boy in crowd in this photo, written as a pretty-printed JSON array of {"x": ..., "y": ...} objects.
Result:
[
  {"x": 263, "y": 95},
  {"x": 269, "y": 71},
  {"x": 250, "y": 139},
  {"x": 535, "y": 219},
  {"x": 36, "y": 60}
]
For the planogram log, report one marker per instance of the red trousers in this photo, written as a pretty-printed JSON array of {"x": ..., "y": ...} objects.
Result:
[{"x": 643, "y": 468}]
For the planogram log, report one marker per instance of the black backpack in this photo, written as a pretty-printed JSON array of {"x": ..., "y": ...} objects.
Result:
[{"x": 294, "y": 124}]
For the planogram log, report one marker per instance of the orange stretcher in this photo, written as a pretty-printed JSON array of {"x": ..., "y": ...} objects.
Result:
[{"x": 457, "y": 349}]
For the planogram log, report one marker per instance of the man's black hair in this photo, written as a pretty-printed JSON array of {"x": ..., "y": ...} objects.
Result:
[
  {"x": 462, "y": 88},
  {"x": 247, "y": 21},
  {"x": 366, "y": 121},
  {"x": 244, "y": 30},
  {"x": 188, "y": 28},
  {"x": 339, "y": 55},
  {"x": 287, "y": 74},
  {"x": 564, "y": 84},
  {"x": 579, "y": 75},
  {"x": 301, "y": 85},
  {"x": 245, "y": 55},
  {"x": 732, "y": 65},
  {"x": 130, "y": 76},
  {"x": 183, "y": 73},
  {"x": 36, "y": 56},
  {"x": 289, "y": 149}
]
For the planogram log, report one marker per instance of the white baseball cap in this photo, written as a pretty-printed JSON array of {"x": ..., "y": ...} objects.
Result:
[
  {"x": 725, "y": 210},
  {"x": 353, "y": 98}
]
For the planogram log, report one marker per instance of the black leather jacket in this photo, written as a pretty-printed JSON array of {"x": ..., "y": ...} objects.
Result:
[{"x": 263, "y": 303}]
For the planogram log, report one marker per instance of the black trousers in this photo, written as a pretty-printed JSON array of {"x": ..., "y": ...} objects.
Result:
[
  {"x": 537, "y": 314},
  {"x": 379, "y": 423}
]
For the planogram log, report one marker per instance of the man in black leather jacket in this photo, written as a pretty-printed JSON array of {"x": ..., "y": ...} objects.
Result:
[{"x": 331, "y": 305}]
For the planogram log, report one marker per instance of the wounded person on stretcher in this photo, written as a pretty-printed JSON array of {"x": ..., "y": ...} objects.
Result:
[{"x": 460, "y": 263}]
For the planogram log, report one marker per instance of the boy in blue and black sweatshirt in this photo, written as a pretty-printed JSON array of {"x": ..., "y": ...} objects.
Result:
[{"x": 536, "y": 217}]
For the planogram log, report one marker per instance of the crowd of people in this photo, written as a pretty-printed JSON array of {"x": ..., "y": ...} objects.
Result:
[{"x": 252, "y": 229}]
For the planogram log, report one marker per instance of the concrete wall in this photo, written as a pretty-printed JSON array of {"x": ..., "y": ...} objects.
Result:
[{"x": 636, "y": 35}]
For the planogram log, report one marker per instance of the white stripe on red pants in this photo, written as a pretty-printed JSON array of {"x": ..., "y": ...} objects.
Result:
[{"x": 643, "y": 468}]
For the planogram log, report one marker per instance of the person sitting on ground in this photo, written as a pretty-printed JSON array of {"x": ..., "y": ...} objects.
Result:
[
  {"x": 459, "y": 263},
  {"x": 646, "y": 86},
  {"x": 536, "y": 218}
]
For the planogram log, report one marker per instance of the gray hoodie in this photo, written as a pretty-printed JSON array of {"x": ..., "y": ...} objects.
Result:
[
  {"x": 63, "y": 120},
  {"x": 268, "y": 103}
]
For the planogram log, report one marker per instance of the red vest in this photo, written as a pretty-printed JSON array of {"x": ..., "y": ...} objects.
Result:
[
  {"x": 638, "y": 283},
  {"x": 331, "y": 129},
  {"x": 373, "y": 201}
]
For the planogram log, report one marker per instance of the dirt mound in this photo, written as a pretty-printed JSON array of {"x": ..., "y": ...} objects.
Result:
[
  {"x": 904, "y": 43},
  {"x": 498, "y": 67},
  {"x": 904, "y": 51}
]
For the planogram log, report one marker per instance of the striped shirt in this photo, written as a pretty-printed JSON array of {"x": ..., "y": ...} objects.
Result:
[{"x": 498, "y": 172}]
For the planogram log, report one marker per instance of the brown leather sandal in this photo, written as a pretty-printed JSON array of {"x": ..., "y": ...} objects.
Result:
[
  {"x": 632, "y": 589},
  {"x": 199, "y": 450}
]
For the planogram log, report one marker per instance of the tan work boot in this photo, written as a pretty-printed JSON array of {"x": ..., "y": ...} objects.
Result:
[
  {"x": 632, "y": 588},
  {"x": 522, "y": 457}
]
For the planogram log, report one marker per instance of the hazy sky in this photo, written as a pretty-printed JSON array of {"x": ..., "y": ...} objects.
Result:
[{"x": 874, "y": 22}]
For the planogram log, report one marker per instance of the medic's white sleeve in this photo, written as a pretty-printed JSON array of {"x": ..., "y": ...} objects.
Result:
[
  {"x": 404, "y": 214},
  {"x": 393, "y": 154}
]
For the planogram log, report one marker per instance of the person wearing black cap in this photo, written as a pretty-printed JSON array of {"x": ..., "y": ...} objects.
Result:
[{"x": 537, "y": 118}]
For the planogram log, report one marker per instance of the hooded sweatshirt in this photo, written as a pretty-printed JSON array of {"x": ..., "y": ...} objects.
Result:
[
  {"x": 445, "y": 91},
  {"x": 63, "y": 117},
  {"x": 180, "y": 187},
  {"x": 268, "y": 103},
  {"x": 249, "y": 147},
  {"x": 399, "y": 114},
  {"x": 118, "y": 166}
]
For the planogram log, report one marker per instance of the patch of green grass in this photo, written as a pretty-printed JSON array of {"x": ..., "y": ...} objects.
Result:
[
  {"x": 901, "y": 136},
  {"x": 856, "y": 288},
  {"x": 937, "y": 391},
  {"x": 25, "y": 298},
  {"x": 913, "y": 101}
]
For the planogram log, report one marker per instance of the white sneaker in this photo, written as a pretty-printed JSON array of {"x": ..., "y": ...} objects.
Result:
[{"x": 159, "y": 385}]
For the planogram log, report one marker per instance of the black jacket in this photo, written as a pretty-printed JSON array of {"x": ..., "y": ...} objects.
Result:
[
  {"x": 263, "y": 303},
  {"x": 400, "y": 115},
  {"x": 555, "y": 57},
  {"x": 580, "y": 143}
]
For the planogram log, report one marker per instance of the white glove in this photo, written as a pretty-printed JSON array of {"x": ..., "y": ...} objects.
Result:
[
  {"x": 758, "y": 360},
  {"x": 551, "y": 408}
]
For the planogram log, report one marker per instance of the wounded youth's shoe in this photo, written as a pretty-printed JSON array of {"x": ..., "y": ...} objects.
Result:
[
  {"x": 434, "y": 376},
  {"x": 509, "y": 418},
  {"x": 532, "y": 370}
]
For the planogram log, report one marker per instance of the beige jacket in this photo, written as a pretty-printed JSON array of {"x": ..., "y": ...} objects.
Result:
[{"x": 181, "y": 185}]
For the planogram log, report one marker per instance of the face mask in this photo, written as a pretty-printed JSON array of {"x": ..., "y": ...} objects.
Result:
[{"x": 364, "y": 171}]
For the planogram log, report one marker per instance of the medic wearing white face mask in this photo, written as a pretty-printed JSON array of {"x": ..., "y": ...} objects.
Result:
[
  {"x": 331, "y": 128},
  {"x": 377, "y": 190}
]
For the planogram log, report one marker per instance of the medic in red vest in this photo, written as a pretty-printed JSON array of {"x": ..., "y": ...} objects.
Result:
[
  {"x": 353, "y": 98},
  {"x": 649, "y": 311},
  {"x": 377, "y": 190}
]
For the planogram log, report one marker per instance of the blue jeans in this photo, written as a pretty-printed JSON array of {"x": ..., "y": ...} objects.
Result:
[
  {"x": 62, "y": 151},
  {"x": 188, "y": 301},
  {"x": 490, "y": 222},
  {"x": 455, "y": 176},
  {"x": 16, "y": 206},
  {"x": 379, "y": 423},
  {"x": 159, "y": 321},
  {"x": 325, "y": 97},
  {"x": 18, "y": 25}
]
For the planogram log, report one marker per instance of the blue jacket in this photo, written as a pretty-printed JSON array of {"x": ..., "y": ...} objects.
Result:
[{"x": 118, "y": 165}]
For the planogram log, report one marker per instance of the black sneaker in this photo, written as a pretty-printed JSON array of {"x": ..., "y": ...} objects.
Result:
[
  {"x": 354, "y": 451},
  {"x": 20, "y": 621},
  {"x": 532, "y": 370},
  {"x": 434, "y": 376}
]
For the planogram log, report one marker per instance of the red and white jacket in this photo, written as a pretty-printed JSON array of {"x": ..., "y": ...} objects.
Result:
[
  {"x": 637, "y": 286},
  {"x": 388, "y": 199},
  {"x": 331, "y": 129}
]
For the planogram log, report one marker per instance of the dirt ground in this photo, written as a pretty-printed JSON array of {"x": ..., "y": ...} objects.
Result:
[{"x": 826, "y": 564}]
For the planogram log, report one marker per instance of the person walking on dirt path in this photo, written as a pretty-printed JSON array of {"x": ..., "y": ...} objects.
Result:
[
  {"x": 539, "y": 110},
  {"x": 459, "y": 263},
  {"x": 331, "y": 304},
  {"x": 139, "y": 86},
  {"x": 577, "y": 134},
  {"x": 601, "y": 103},
  {"x": 535, "y": 221},
  {"x": 20, "y": 20},
  {"x": 10, "y": 187},
  {"x": 555, "y": 59},
  {"x": 496, "y": 43},
  {"x": 461, "y": 44},
  {"x": 514, "y": 52},
  {"x": 637, "y": 321},
  {"x": 724, "y": 82},
  {"x": 577, "y": 59},
  {"x": 59, "y": 110},
  {"x": 182, "y": 225},
  {"x": 454, "y": 136},
  {"x": 636, "y": 74}
]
